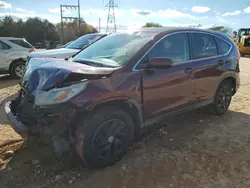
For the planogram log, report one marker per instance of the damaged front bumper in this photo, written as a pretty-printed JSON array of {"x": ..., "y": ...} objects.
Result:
[
  {"x": 56, "y": 123},
  {"x": 16, "y": 125},
  {"x": 27, "y": 119}
]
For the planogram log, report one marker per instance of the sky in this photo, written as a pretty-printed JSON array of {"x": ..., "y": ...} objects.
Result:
[{"x": 132, "y": 14}]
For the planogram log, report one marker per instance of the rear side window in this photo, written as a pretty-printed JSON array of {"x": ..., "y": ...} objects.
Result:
[
  {"x": 222, "y": 45},
  {"x": 204, "y": 45},
  {"x": 22, "y": 43},
  {"x": 4, "y": 46}
]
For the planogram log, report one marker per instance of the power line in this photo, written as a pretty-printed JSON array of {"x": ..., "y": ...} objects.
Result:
[
  {"x": 111, "y": 17},
  {"x": 68, "y": 9}
]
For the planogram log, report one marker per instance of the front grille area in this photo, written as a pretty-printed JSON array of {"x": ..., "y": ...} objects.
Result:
[{"x": 247, "y": 42}]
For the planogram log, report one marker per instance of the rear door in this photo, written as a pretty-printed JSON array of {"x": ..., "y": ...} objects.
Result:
[
  {"x": 5, "y": 53},
  {"x": 167, "y": 90},
  {"x": 207, "y": 65}
]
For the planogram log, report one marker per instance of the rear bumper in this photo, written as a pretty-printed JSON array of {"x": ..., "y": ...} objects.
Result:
[{"x": 16, "y": 125}]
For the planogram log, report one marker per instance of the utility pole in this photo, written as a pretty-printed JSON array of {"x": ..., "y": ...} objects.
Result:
[
  {"x": 111, "y": 16},
  {"x": 62, "y": 34},
  {"x": 99, "y": 25},
  {"x": 79, "y": 16},
  {"x": 71, "y": 8}
]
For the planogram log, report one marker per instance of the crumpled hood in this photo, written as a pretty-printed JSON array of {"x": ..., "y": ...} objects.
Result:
[
  {"x": 55, "y": 53},
  {"x": 44, "y": 74}
]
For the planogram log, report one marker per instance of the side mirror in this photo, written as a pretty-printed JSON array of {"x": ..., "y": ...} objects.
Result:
[{"x": 160, "y": 63}]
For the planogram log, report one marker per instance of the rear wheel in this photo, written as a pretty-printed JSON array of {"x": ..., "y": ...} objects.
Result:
[
  {"x": 222, "y": 98},
  {"x": 17, "y": 69},
  {"x": 105, "y": 137}
]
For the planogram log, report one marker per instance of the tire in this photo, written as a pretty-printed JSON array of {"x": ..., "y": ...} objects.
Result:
[
  {"x": 17, "y": 69},
  {"x": 104, "y": 137},
  {"x": 222, "y": 99}
]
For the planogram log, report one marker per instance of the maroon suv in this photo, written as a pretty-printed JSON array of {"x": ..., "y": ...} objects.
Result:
[{"x": 100, "y": 101}]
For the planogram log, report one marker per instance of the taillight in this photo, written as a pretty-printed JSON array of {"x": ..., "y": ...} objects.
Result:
[
  {"x": 238, "y": 57},
  {"x": 32, "y": 50}
]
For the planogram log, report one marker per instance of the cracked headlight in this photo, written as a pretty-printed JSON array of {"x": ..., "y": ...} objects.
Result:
[{"x": 59, "y": 95}]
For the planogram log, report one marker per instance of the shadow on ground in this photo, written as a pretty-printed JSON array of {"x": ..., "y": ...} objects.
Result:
[
  {"x": 151, "y": 159},
  {"x": 7, "y": 81}
]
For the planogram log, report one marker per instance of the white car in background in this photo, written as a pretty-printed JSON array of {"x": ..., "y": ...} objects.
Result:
[
  {"x": 13, "y": 55},
  {"x": 69, "y": 50}
]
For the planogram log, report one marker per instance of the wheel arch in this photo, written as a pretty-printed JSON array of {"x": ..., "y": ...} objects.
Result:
[
  {"x": 231, "y": 79},
  {"x": 130, "y": 106}
]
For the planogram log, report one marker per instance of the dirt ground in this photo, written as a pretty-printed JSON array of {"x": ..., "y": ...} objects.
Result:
[{"x": 191, "y": 151}]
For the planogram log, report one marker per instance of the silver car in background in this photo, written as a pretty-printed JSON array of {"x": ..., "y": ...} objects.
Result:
[
  {"x": 13, "y": 55},
  {"x": 69, "y": 50}
]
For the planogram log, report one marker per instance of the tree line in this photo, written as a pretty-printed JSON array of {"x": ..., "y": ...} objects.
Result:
[
  {"x": 36, "y": 30},
  {"x": 223, "y": 29}
]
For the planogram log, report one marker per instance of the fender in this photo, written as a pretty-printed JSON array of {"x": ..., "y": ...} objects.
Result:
[
  {"x": 230, "y": 75},
  {"x": 132, "y": 103}
]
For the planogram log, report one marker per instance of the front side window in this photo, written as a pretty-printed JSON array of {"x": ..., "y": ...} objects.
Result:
[
  {"x": 114, "y": 50},
  {"x": 175, "y": 46},
  {"x": 203, "y": 45}
]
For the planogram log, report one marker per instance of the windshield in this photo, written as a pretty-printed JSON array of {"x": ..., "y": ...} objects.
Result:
[
  {"x": 114, "y": 50},
  {"x": 244, "y": 32},
  {"x": 83, "y": 41}
]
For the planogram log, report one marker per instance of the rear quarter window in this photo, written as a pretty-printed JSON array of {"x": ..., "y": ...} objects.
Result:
[
  {"x": 204, "y": 45},
  {"x": 223, "y": 46},
  {"x": 22, "y": 43}
]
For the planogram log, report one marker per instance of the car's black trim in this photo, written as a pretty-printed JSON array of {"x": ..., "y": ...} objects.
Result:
[{"x": 16, "y": 125}]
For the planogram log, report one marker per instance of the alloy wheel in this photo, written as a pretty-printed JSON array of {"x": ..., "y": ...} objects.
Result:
[
  {"x": 19, "y": 70},
  {"x": 109, "y": 139},
  {"x": 224, "y": 98}
]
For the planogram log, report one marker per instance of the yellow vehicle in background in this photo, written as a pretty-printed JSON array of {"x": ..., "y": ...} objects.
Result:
[{"x": 242, "y": 40}]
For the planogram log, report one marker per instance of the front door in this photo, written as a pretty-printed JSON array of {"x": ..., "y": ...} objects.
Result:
[{"x": 167, "y": 90}]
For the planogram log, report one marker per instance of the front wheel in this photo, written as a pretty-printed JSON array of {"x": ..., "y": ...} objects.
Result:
[
  {"x": 104, "y": 137},
  {"x": 222, "y": 98}
]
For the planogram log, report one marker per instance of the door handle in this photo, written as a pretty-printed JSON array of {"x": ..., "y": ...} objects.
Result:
[
  {"x": 188, "y": 70},
  {"x": 221, "y": 62}
]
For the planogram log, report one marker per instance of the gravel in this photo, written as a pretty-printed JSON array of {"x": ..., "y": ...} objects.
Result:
[{"x": 194, "y": 150}]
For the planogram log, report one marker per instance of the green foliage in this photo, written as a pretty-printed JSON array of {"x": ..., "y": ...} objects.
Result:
[
  {"x": 36, "y": 30},
  {"x": 222, "y": 29},
  {"x": 152, "y": 24},
  {"x": 71, "y": 31}
]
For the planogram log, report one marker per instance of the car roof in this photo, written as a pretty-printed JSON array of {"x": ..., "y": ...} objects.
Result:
[
  {"x": 165, "y": 30},
  {"x": 11, "y": 38},
  {"x": 95, "y": 34},
  {"x": 158, "y": 30}
]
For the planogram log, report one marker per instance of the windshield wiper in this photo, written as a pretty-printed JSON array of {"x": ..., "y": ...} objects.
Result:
[
  {"x": 95, "y": 64},
  {"x": 88, "y": 63}
]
